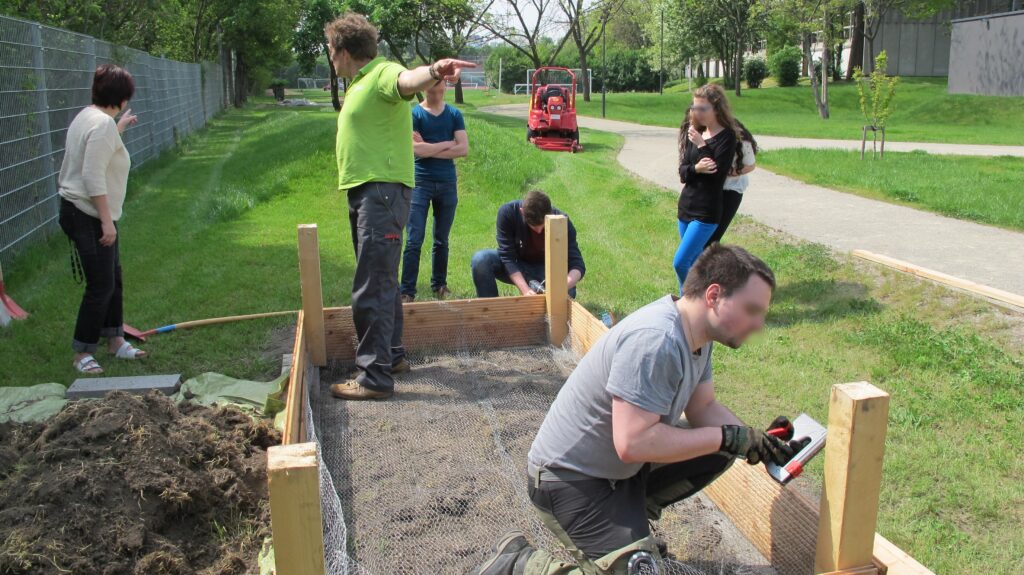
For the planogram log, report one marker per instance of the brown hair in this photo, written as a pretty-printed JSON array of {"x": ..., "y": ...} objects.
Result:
[
  {"x": 353, "y": 33},
  {"x": 536, "y": 205},
  {"x": 728, "y": 266},
  {"x": 715, "y": 96},
  {"x": 111, "y": 85}
]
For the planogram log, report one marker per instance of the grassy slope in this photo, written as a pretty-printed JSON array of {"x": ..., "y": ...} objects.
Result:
[
  {"x": 924, "y": 112},
  {"x": 211, "y": 231},
  {"x": 986, "y": 190}
]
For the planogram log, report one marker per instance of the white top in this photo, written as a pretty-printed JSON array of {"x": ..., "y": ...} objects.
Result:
[
  {"x": 739, "y": 183},
  {"x": 96, "y": 163}
]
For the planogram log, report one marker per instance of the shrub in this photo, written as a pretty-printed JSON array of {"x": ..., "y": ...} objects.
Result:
[
  {"x": 785, "y": 65},
  {"x": 755, "y": 70}
]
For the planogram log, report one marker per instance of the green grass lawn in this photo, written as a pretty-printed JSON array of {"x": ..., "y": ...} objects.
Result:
[
  {"x": 986, "y": 190},
  {"x": 924, "y": 112},
  {"x": 210, "y": 231}
]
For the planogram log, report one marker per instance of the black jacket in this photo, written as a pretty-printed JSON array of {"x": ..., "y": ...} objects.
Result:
[
  {"x": 513, "y": 233},
  {"x": 701, "y": 198}
]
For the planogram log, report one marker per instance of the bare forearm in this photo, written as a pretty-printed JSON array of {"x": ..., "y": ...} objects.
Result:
[
  {"x": 102, "y": 208},
  {"x": 425, "y": 150},
  {"x": 456, "y": 151},
  {"x": 520, "y": 282},
  {"x": 574, "y": 278},
  {"x": 415, "y": 80},
  {"x": 713, "y": 415},
  {"x": 662, "y": 443}
]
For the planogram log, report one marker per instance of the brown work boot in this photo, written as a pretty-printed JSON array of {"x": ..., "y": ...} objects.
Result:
[
  {"x": 442, "y": 292},
  {"x": 352, "y": 391},
  {"x": 402, "y": 366},
  {"x": 406, "y": 298}
]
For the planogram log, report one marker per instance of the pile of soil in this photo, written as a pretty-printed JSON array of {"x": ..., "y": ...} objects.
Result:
[{"x": 134, "y": 485}]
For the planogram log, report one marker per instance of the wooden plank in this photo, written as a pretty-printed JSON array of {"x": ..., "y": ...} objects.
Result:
[
  {"x": 585, "y": 328},
  {"x": 992, "y": 293},
  {"x": 891, "y": 560},
  {"x": 295, "y": 516},
  {"x": 866, "y": 570},
  {"x": 556, "y": 271},
  {"x": 779, "y": 521},
  {"x": 312, "y": 293},
  {"x": 857, "y": 420},
  {"x": 451, "y": 325},
  {"x": 296, "y": 386}
]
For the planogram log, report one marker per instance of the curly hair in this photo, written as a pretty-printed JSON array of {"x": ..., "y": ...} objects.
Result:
[{"x": 353, "y": 33}]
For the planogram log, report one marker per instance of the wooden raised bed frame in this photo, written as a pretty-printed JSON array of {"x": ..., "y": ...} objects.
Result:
[{"x": 781, "y": 523}]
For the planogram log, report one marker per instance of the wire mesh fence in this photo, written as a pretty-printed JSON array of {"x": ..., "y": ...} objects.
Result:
[
  {"x": 429, "y": 480},
  {"x": 45, "y": 80}
]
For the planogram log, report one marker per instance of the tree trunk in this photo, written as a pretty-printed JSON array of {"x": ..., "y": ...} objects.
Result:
[
  {"x": 871, "y": 55},
  {"x": 335, "y": 99},
  {"x": 241, "y": 81},
  {"x": 458, "y": 92},
  {"x": 856, "y": 41},
  {"x": 822, "y": 106},
  {"x": 583, "y": 72},
  {"x": 738, "y": 72}
]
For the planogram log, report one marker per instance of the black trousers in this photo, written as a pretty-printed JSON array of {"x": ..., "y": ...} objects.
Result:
[
  {"x": 601, "y": 516},
  {"x": 731, "y": 200},
  {"x": 101, "y": 313},
  {"x": 377, "y": 215}
]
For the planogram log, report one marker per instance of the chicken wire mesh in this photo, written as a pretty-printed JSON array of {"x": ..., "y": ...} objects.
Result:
[
  {"x": 429, "y": 480},
  {"x": 45, "y": 80}
]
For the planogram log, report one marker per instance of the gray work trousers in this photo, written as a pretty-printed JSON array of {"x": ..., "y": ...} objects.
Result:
[{"x": 377, "y": 213}]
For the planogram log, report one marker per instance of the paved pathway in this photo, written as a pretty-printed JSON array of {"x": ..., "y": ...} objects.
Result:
[{"x": 980, "y": 253}]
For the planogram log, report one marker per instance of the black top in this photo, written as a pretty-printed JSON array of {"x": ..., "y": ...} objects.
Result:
[
  {"x": 517, "y": 242},
  {"x": 701, "y": 198}
]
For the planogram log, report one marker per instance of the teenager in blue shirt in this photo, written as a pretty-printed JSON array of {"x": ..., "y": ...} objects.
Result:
[{"x": 439, "y": 136}]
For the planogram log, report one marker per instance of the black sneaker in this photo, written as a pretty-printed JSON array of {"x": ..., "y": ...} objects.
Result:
[{"x": 506, "y": 553}]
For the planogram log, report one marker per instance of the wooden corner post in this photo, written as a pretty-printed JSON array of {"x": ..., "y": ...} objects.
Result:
[
  {"x": 556, "y": 280},
  {"x": 295, "y": 516},
  {"x": 857, "y": 420},
  {"x": 312, "y": 294}
]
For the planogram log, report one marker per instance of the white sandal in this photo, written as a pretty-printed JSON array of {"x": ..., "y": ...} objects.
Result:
[
  {"x": 128, "y": 351},
  {"x": 88, "y": 365}
]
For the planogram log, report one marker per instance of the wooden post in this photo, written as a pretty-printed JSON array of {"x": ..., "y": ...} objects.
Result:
[
  {"x": 312, "y": 294},
  {"x": 556, "y": 272},
  {"x": 295, "y": 516},
  {"x": 857, "y": 419}
]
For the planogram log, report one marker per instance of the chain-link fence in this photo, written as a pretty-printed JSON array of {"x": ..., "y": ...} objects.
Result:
[{"x": 45, "y": 80}]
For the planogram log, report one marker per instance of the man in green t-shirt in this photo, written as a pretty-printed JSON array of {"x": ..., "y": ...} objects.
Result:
[{"x": 375, "y": 169}]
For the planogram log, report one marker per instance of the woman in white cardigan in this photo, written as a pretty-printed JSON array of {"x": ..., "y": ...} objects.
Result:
[{"x": 92, "y": 184}]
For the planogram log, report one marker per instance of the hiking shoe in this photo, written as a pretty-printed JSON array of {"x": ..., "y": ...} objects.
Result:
[
  {"x": 352, "y": 391},
  {"x": 642, "y": 563},
  {"x": 506, "y": 553},
  {"x": 401, "y": 366},
  {"x": 442, "y": 292}
]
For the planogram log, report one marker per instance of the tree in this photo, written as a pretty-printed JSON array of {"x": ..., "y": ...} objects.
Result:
[
  {"x": 309, "y": 41},
  {"x": 875, "y": 12},
  {"x": 586, "y": 25},
  {"x": 447, "y": 28},
  {"x": 259, "y": 33},
  {"x": 525, "y": 25}
]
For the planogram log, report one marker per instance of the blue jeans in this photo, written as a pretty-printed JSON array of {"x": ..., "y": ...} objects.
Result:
[
  {"x": 693, "y": 236},
  {"x": 444, "y": 197},
  {"x": 488, "y": 270}
]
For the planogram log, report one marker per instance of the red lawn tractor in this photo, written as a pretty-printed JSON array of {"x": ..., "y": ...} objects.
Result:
[{"x": 552, "y": 121}]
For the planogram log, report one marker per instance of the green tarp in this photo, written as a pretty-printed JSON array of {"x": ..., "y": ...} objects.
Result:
[{"x": 35, "y": 403}]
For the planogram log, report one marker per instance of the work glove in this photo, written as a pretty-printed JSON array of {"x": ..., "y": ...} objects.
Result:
[
  {"x": 757, "y": 446},
  {"x": 781, "y": 428}
]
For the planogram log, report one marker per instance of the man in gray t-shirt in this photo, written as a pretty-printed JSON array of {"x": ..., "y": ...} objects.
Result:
[{"x": 615, "y": 449}]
